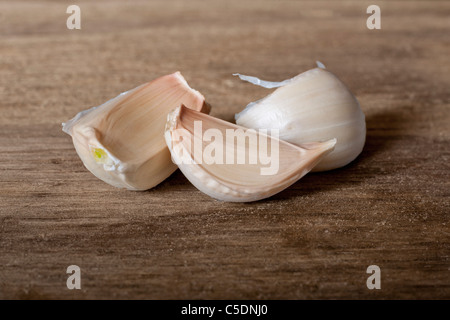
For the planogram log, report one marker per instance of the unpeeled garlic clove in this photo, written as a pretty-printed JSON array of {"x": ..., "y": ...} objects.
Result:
[
  {"x": 313, "y": 106},
  {"x": 207, "y": 151},
  {"x": 122, "y": 142}
]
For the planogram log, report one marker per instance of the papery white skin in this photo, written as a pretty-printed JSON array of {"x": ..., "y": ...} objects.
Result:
[{"x": 312, "y": 106}]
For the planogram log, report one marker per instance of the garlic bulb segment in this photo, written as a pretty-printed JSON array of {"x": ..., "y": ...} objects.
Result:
[
  {"x": 232, "y": 163},
  {"x": 313, "y": 106},
  {"x": 122, "y": 141}
]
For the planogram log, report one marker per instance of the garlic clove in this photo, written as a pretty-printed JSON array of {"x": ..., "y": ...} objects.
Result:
[
  {"x": 312, "y": 106},
  {"x": 121, "y": 141},
  {"x": 207, "y": 150}
]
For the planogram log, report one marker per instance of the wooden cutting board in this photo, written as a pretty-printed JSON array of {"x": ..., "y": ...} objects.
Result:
[{"x": 388, "y": 208}]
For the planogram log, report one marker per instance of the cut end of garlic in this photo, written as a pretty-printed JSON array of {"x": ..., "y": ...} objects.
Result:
[
  {"x": 121, "y": 141},
  {"x": 100, "y": 155},
  {"x": 232, "y": 163}
]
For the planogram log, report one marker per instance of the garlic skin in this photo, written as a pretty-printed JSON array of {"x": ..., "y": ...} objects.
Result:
[
  {"x": 234, "y": 182},
  {"x": 122, "y": 141},
  {"x": 313, "y": 106}
]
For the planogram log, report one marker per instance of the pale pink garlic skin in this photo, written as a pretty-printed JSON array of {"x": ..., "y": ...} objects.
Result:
[
  {"x": 244, "y": 182},
  {"x": 128, "y": 131}
]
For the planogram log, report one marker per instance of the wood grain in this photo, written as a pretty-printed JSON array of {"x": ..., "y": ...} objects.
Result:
[{"x": 390, "y": 207}]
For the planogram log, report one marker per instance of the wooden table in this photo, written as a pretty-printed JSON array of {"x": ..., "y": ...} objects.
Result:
[{"x": 316, "y": 239}]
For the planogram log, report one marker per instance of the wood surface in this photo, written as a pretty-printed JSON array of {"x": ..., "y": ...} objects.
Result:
[{"x": 314, "y": 240}]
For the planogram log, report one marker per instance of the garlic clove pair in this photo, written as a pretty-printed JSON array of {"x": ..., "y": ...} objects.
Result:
[
  {"x": 122, "y": 142},
  {"x": 313, "y": 106},
  {"x": 232, "y": 163}
]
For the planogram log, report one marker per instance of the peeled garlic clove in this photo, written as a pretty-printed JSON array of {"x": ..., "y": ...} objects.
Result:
[
  {"x": 122, "y": 141},
  {"x": 232, "y": 163},
  {"x": 313, "y": 106}
]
